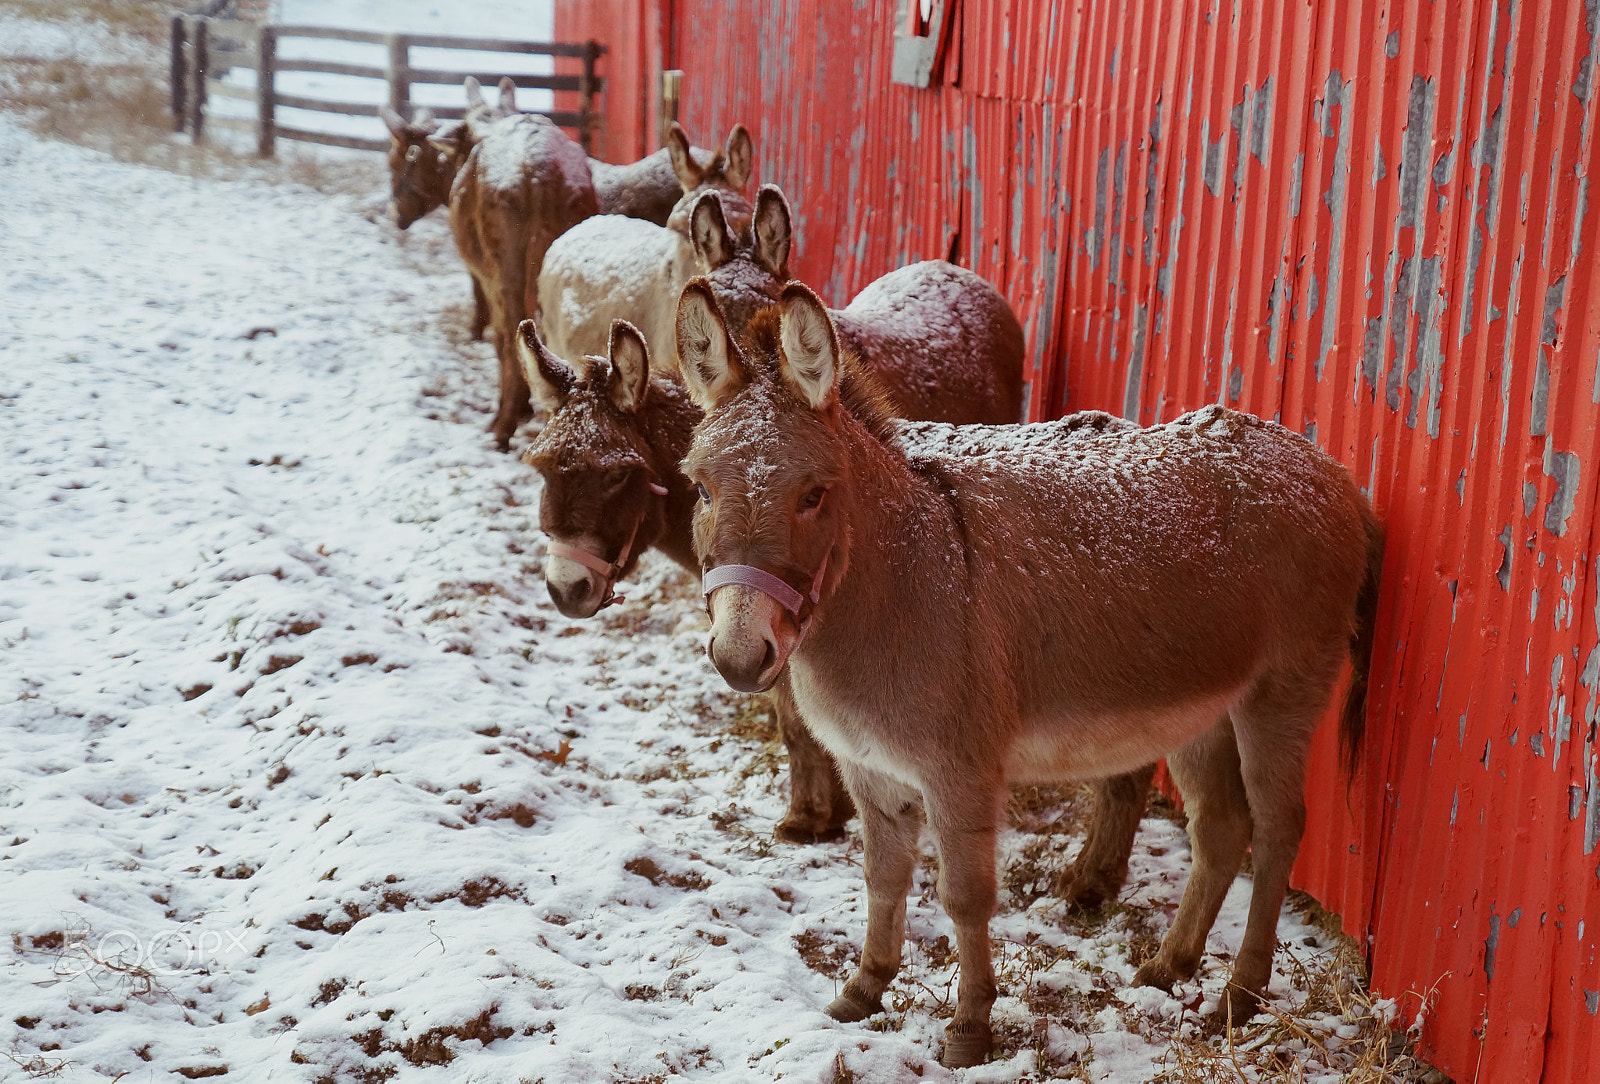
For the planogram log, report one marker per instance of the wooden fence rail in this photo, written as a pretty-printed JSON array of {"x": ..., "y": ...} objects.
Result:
[{"x": 205, "y": 48}]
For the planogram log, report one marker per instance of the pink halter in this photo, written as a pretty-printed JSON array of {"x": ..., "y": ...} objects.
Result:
[
  {"x": 609, "y": 570},
  {"x": 765, "y": 582}
]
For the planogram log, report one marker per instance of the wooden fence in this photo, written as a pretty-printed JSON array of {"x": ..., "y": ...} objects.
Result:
[{"x": 204, "y": 49}]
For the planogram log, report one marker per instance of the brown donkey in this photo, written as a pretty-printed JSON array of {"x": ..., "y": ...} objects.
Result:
[
  {"x": 510, "y": 201},
  {"x": 610, "y": 449},
  {"x": 1067, "y": 609},
  {"x": 524, "y": 183},
  {"x": 609, "y": 456},
  {"x": 896, "y": 325},
  {"x": 424, "y": 157}
]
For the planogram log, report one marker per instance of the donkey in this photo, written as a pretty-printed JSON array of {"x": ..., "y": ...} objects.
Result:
[
  {"x": 609, "y": 456},
  {"x": 613, "y": 268},
  {"x": 524, "y": 183},
  {"x": 894, "y": 325},
  {"x": 425, "y": 157},
  {"x": 1064, "y": 609}
]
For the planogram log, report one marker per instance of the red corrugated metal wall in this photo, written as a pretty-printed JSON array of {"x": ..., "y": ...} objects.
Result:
[{"x": 1369, "y": 220}]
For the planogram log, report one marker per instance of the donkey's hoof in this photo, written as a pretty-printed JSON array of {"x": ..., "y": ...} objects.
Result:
[
  {"x": 1086, "y": 892},
  {"x": 793, "y": 830},
  {"x": 1156, "y": 973},
  {"x": 1242, "y": 1004},
  {"x": 966, "y": 1045},
  {"x": 852, "y": 1005}
]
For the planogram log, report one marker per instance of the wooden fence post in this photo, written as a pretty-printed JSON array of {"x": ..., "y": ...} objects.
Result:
[
  {"x": 197, "y": 79},
  {"x": 180, "y": 74},
  {"x": 591, "y": 50},
  {"x": 399, "y": 73},
  {"x": 671, "y": 87},
  {"x": 266, "y": 90}
]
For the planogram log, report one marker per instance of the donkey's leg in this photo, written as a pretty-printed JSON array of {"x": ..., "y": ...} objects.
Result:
[
  {"x": 818, "y": 802},
  {"x": 1101, "y": 868},
  {"x": 1207, "y": 773},
  {"x": 516, "y": 403},
  {"x": 480, "y": 309},
  {"x": 891, "y": 816},
  {"x": 964, "y": 814},
  {"x": 1273, "y": 728}
]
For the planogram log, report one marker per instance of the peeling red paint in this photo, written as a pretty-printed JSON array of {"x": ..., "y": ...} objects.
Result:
[{"x": 1368, "y": 220}]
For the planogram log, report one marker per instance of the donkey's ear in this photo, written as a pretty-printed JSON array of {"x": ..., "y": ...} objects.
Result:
[
  {"x": 550, "y": 378},
  {"x": 737, "y": 153},
  {"x": 630, "y": 366},
  {"x": 712, "y": 370},
  {"x": 394, "y": 121},
  {"x": 682, "y": 158},
  {"x": 423, "y": 118},
  {"x": 447, "y": 139},
  {"x": 810, "y": 346},
  {"x": 708, "y": 228},
  {"x": 508, "y": 94},
  {"x": 474, "y": 92},
  {"x": 772, "y": 228}
]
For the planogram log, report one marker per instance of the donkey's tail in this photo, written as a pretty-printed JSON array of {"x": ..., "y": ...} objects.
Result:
[{"x": 1353, "y": 722}]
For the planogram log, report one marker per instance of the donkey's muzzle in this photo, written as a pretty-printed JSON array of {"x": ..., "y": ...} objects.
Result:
[
  {"x": 576, "y": 591},
  {"x": 747, "y": 667},
  {"x": 402, "y": 218},
  {"x": 751, "y": 636}
]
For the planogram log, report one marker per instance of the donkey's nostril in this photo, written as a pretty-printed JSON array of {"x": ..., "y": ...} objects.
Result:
[
  {"x": 579, "y": 599},
  {"x": 768, "y": 658}
]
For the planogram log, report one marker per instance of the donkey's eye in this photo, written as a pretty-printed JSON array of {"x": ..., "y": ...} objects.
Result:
[
  {"x": 412, "y": 152},
  {"x": 705, "y": 494},
  {"x": 813, "y": 499}
]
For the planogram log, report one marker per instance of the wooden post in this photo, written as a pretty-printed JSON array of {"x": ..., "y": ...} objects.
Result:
[
  {"x": 591, "y": 50},
  {"x": 197, "y": 79},
  {"x": 671, "y": 86},
  {"x": 399, "y": 73},
  {"x": 180, "y": 74},
  {"x": 266, "y": 91}
]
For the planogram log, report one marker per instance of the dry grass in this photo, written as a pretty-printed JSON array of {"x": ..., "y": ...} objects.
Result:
[
  {"x": 143, "y": 19},
  {"x": 1334, "y": 1026},
  {"x": 122, "y": 107}
]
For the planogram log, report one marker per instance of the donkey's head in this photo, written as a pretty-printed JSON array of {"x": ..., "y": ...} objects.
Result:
[
  {"x": 423, "y": 160},
  {"x": 727, "y": 172},
  {"x": 772, "y": 460},
  {"x": 602, "y": 504},
  {"x": 747, "y": 274},
  {"x": 480, "y": 112}
]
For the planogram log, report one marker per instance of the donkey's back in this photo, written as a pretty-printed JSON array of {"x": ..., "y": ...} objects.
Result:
[
  {"x": 942, "y": 340},
  {"x": 612, "y": 268},
  {"x": 1179, "y": 563}
]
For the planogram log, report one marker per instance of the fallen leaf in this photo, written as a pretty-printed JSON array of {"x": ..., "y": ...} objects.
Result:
[{"x": 559, "y": 756}]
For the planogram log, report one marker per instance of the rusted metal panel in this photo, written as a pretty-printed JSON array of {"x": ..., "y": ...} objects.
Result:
[
  {"x": 1368, "y": 220},
  {"x": 632, "y": 32}
]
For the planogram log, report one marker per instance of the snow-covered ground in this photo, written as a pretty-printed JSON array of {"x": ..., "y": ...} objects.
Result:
[{"x": 302, "y": 776}]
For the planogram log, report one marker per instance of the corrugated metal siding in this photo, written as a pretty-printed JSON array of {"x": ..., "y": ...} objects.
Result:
[{"x": 1368, "y": 220}]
